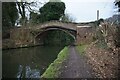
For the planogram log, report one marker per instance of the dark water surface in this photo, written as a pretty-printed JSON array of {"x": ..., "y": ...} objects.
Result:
[{"x": 27, "y": 61}]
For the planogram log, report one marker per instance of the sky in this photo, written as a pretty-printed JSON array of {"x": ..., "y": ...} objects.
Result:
[{"x": 86, "y": 10}]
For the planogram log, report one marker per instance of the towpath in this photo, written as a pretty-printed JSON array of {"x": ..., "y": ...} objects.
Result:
[{"x": 76, "y": 66}]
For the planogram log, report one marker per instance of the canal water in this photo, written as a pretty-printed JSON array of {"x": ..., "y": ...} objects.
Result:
[{"x": 25, "y": 61}]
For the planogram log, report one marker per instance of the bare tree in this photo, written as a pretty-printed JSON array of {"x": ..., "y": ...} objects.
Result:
[{"x": 23, "y": 5}]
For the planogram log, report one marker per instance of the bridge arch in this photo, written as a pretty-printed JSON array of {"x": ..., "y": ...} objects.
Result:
[
  {"x": 70, "y": 32},
  {"x": 58, "y": 28}
]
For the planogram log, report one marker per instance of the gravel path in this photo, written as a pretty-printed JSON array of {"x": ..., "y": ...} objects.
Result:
[{"x": 76, "y": 66}]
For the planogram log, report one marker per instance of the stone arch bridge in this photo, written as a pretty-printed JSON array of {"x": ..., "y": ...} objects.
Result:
[{"x": 29, "y": 35}]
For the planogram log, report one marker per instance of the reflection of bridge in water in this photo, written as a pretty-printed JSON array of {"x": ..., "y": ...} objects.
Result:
[{"x": 29, "y": 73}]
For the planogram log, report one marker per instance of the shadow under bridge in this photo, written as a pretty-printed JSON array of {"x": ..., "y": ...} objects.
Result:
[{"x": 52, "y": 34}]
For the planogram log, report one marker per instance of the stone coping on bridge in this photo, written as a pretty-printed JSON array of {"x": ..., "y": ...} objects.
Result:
[
  {"x": 70, "y": 25},
  {"x": 67, "y": 25},
  {"x": 58, "y": 23},
  {"x": 83, "y": 26}
]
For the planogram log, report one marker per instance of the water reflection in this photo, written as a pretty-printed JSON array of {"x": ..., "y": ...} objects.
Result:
[
  {"x": 29, "y": 73},
  {"x": 20, "y": 72},
  {"x": 32, "y": 73},
  {"x": 26, "y": 61}
]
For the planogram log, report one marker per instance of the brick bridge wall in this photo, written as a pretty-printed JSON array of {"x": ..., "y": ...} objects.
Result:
[{"x": 84, "y": 35}]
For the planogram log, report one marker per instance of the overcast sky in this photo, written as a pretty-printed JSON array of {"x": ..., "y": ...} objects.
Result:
[{"x": 86, "y": 10}]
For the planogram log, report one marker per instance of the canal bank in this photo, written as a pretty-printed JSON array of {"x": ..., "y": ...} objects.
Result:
[
  {"x": 70, "y": 63},
  {"x": 10, "y": 44},
  {"x": 53, "y": 70}
]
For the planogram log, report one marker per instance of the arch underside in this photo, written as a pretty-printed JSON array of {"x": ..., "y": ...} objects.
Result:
[
  {"x": 45, "y": 32},
  {"x": 71, "y": 32}
]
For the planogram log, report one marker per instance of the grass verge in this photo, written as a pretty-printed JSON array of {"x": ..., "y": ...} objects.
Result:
[
  {"x": 53, "y": 70},
  {"x": 81, "y": 48}
]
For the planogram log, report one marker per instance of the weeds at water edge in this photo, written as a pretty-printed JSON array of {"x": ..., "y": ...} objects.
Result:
[{"x": 53, "y": 70}]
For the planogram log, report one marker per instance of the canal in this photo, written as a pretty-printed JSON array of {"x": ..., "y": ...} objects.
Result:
[{"x": 19, "y": 61}]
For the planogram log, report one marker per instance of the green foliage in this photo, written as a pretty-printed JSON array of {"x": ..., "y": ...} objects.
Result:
[
  {"x": 53, "y": 70},
  {"x": 9, "y": 17},
  {"x": 34, "y": 18},
  {"x": 9, "y": 14},
  {"x": 57, "y": 37},
  {"x": 51, "y": 11}
]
